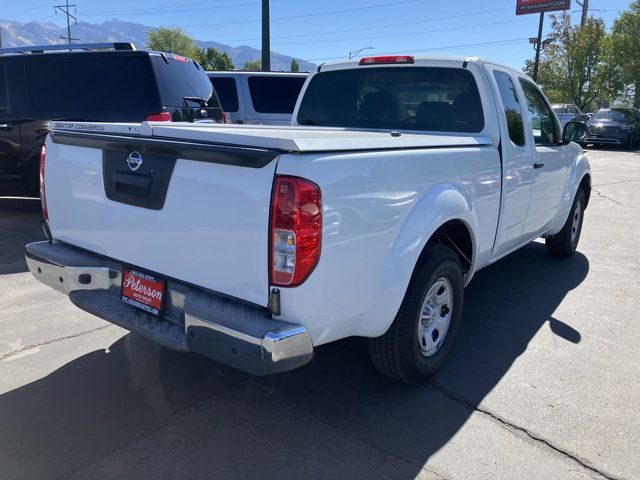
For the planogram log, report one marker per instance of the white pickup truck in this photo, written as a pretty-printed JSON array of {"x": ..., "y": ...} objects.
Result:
[{"x": 400, "y": 178}]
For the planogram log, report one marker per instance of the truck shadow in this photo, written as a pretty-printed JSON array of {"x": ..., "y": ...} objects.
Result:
[
  {"x": 20, "y": 223},
  {"x": 102, "y": 402}
]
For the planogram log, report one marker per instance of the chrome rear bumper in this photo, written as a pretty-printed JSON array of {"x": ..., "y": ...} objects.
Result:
[{"x": 227, "y": 330}]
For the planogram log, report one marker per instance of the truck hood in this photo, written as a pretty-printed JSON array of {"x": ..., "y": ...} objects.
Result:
[{"x": 286, "y": 138}]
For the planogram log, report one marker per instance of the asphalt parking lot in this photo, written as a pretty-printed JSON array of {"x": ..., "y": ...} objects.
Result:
[{"x": 543, "y": 382}]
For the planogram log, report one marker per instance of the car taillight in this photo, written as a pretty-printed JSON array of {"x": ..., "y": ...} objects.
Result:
[
  {"x": 386, "y": 60},
  {"x": 43, "y": 198},
  {"x": 159, "y": 117},
  {"x": 225, "y": 117},
  {"x": 296, "y": 230}
]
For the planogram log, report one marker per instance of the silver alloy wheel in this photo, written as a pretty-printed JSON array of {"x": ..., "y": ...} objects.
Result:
[
  {"x": 435, "y": 317},
  {"x": 575, "y": 225}
]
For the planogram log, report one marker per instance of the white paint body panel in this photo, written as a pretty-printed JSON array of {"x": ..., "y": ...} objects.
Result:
[
  {"x": 383, "y": 197},
  {"x": 212, "y": 230}
]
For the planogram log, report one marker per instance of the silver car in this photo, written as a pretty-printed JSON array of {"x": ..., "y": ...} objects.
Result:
[
  {"x": 266, "y": 98},
  {"x": 568, "y": 112}
]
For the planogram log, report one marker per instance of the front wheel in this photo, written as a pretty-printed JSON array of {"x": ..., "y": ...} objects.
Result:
[
  {"x": 422, "y": 333},
  {"x": 564, "y": 243}
]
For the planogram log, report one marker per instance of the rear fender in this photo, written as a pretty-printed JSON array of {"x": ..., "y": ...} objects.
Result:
[{"x": 438, "y": 205}]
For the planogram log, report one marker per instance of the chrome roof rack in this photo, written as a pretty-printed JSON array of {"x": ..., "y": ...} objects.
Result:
[{"x": 68, "y": 47}]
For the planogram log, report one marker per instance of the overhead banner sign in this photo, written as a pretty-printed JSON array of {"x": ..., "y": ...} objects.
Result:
[{"x": 536, "y": 6}]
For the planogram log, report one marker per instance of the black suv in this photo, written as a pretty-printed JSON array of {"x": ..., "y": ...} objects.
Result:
[{"x": 92, "y": 82}]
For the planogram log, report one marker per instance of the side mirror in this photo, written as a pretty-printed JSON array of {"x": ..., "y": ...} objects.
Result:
[{"x": 574, "y": 132}]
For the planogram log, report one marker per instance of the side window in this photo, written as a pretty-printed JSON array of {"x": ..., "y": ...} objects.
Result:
[
  {"x": 275, "y": 94},
  {"x": 227, "y": 92},
  {"x": 512, "y": 107},
  {"x": 540, "y": 115},
  {"x": 4, "y": 95}
]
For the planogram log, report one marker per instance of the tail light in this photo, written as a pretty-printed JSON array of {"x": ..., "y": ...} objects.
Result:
[
  {"x": 386, "y": 60},
  {"x": 43, "y": 198},
  {"x": 159, "y": 117},
  {"x": 296, "y": 230},
  {"x": 225, "y": 117}
]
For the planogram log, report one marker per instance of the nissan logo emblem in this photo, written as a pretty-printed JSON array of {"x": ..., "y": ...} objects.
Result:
[{"x": 134, "y": 161}]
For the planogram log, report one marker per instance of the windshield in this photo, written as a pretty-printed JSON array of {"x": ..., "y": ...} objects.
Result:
[
  {"x": 614, "y": 115},
  {"x": 402, "y": 98},
  {"x": 558, "y": 109}
]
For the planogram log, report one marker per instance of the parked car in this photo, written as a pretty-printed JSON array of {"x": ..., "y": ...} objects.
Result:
[
  {"x": 109, "y": 82},
  {"x": 255, "y": 245},
  {"x": 617, "y": 126},
  {"x": 262, "y": 98},
  {"x": 568, "y": 112}
]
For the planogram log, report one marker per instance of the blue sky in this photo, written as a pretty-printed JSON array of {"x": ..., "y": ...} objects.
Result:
[{"x": 320, "y": 31}]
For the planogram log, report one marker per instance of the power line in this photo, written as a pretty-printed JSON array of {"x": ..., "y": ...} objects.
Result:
[
  {"x": 293, "y": 17},
  {"x": 65, "y": 9},
  {"x": 406, "y": 34},
  {"x": 181, "y": 10},
  {"x": 378, "y": 27}
]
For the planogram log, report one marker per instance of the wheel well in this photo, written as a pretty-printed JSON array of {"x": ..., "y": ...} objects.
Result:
[
  {"x": 455, "y": 235},
  {"x": 585, "y": 184}
]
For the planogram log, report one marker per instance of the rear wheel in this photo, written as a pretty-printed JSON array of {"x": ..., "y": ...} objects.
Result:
[
  {"x": 422, "y": 333},
  {"x": 565, "y": 242}
]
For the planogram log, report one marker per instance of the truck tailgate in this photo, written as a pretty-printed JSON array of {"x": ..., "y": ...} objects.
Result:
[{"x": 198, "y": 214}]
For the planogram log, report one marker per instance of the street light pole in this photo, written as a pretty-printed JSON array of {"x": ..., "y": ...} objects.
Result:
[
  {"x": 538, "y": 48},
  {"x": 356, "y": 52},
  {"x": 266, "y": 40}
]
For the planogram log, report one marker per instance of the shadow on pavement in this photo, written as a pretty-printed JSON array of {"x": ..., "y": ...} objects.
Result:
[
  {"x": 20, "y": 223},
  {"x": 102, "y": 402}
]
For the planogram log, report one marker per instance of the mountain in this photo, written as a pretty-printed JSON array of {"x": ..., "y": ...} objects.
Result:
[{"x": 15, "y": 34}]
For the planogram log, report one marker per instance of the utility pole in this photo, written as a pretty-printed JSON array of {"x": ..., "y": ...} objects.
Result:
[
  {"x": 538, "y": 48},
  {"x": 585, "y": 12},
  {"x": 65, "y": 9},
  {"x": 266, "y": 37}
]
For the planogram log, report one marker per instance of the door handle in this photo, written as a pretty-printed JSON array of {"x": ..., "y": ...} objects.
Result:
[
  {"x": 538, "y": 165},
  {"x": 5, "y": 126}
]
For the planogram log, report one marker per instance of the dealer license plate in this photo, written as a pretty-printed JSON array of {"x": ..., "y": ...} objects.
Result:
[{"x": 143, "y": 291}]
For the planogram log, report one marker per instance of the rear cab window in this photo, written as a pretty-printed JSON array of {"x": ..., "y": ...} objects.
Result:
[
  {"x": 178, "y": 77},
  {"x": 403, "y": 98},
  {"x": 512, "y": 107},
  {"x": 227, "y": 90},
  {"x": 90, "y": 83},
  {"x": 275, "y": 94}
]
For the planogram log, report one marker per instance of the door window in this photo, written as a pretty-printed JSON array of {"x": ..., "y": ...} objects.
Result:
[
  {"x": 4, "y": 96},
  {"x": 512, "y": 107},
  {"x": 542, "y": 120},
  {"x": 227, "y": 92}
]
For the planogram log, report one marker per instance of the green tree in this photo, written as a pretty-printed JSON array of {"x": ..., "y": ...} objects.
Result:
[
  {"x": 626, "y": 49},
  {"x": 254, "y": 66},
  {"x": 212, "y": 59},
  {"x": 577, "y": 66},
  {"x": 173, "y": 40},
  {"x": 295, "y": 66}
]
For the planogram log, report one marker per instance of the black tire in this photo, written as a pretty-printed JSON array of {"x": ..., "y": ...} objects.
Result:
[
  {"x": 397, "y": 353},
  {"x": 629, "y": 144},
  {"x": 564, "y": 243}
]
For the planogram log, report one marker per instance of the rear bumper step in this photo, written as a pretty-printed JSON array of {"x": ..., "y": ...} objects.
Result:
[{"x": 229, "y": 331}]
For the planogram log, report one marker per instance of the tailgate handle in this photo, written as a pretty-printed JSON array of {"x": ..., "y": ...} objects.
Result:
[{"x": 132, "y": 184}]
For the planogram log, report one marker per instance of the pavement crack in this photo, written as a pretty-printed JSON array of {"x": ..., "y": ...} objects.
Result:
[
  {"x": 292, "y": 404},
  {"x": 537, "y": 439},
  {"x": 26, "y": 348},
  {"x": 602, "y": 195}
]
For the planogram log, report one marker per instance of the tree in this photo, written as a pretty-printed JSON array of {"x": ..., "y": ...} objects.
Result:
[
  {"x": 254, "y": 66},
  {"x": 173, "y": 40},
  {"x": 212, "y": 59},
  {"x": 577, "y": 66},
  {"x": 295, "y": 66},
  {"x": 626, "y": 49}
]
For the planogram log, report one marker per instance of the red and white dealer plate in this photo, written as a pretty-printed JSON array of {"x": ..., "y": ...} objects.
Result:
[{"x": 142, "y": 290}]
